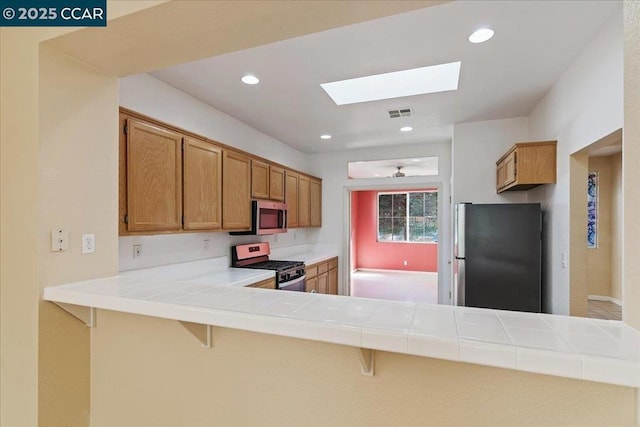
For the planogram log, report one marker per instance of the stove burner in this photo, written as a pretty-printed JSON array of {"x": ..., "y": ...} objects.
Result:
[{"x": 275, "y": 265}]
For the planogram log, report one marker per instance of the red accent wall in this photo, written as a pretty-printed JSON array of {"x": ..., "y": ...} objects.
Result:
[
  {"x": 369, "y": 253},
  {"x": 354, "y": 230}
]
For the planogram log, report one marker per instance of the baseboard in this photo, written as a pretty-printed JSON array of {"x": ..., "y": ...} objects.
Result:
[
  {"x": 381, "y": 270},
  {"x": 604, "y": 298}
]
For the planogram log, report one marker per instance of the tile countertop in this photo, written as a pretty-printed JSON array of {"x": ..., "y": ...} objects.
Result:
[{"x": 590, "y": 349}]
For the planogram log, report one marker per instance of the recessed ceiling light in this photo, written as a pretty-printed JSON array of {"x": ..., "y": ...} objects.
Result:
[
  {"x": 481, "y": 35},
  {"x": 406, "y": 129},
  {"x": 325, "y": 136},
  {"x": 417, "y": 81},
  {"x": 250, "y": 79},
  {"x": 415, "y": 160}
]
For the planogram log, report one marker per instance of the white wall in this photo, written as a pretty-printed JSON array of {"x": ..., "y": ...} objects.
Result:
[
  {"x": 616, "y": 228},
  {"x": 148, "y": 95},
  {"x": 475, "y": 149},
  {"x": 585, "y": 105},
  {"x": 332, "y": 168}
]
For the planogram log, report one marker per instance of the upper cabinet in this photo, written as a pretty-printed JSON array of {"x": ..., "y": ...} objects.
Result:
[
  {"x": 171, "y": 180},
  {"x": 267, "y": 181},
  {"x": 291, "y": 198},
  {"x": 236, "y": 192},
  {"x": 303, "y": 195},
  {"x": 154, "y": 178},
  {"x": 259, "y": 180},
  {"x": 315, "y": 202},
  {"x": 304, "y": 212},
  {"x": 276, "y": 183},
  {"x": 202, "y": 179},
  {"x": 526, "y": 165}
]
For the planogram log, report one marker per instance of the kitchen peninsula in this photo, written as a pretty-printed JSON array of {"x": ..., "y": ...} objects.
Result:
[{"x": 210, "y": 294}]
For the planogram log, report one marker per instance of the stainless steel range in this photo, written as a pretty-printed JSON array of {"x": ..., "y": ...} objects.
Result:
[{"x": 290, "y": 275}]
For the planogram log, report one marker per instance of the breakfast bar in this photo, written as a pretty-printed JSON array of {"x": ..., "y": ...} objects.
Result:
[{"x": 206, "y": 294}]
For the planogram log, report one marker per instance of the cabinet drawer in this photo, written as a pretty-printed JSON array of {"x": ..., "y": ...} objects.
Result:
[
  {"x": 333, "y": 263},
  {"x": 312, "y": 271},
  {"x": 323, "y": 267}
]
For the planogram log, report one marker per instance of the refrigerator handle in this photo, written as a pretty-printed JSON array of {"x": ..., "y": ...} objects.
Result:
[
  {"x": 459, "y": 282},
  {"x": 459, "y": 232}
]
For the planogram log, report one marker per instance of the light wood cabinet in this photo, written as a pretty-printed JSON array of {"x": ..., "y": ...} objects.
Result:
[
  {"x": 323, "y": 277},
  {"x": 154, "y": 178},
  {"x": 171, "y": 181},
  {"x": 526, "y": 165},
  {"x": 267, "y": 181},
  {"x": 291, "y": 198},
  {"x": 304, "y": 212},
  {"x": 259, "y": 180},
  {"x": 323, "y": 282},
  {"x": 265, "y": 284},
  {"x": 276, "y": 183},
  {"x": 311, "y": 285},
  {"x": 332, "y": 284},
  {"x": 315, "y": 196},
  {"x": 202, "y": 182},
  {"x": 236, "y": 191}
]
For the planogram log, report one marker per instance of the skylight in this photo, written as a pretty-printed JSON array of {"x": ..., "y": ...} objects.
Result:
[{"x": 416, "y": 81}]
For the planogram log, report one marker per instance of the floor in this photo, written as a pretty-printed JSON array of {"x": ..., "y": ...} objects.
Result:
[
  {"x": 393, "y": 285},
  {"x": 603, "y": 310}
]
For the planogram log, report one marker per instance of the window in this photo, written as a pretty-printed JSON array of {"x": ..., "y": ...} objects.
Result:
[{"x": 408, "y": 217}]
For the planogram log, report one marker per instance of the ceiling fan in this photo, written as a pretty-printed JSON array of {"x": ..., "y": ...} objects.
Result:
[{"x": 399, "y": 173}]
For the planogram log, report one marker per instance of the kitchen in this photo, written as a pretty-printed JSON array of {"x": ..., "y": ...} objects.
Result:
[{"x": 145, "y": 327}]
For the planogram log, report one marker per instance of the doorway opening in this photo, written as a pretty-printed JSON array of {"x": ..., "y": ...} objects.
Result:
[
  {"x": 596, "y": 229},
  {"x": 393, "y": 244}
]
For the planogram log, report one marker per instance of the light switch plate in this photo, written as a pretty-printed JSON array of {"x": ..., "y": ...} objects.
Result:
[{"x": 59, "y": 240}]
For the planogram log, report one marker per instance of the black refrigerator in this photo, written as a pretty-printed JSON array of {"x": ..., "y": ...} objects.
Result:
[{"x": 498, "y": 256}]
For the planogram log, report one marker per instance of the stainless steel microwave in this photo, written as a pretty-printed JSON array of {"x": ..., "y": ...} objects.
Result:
[{"x": 266, "y": 218}]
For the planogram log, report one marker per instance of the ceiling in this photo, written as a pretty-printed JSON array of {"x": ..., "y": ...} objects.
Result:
[
  {"x": 421, "y": 166},
  {"x": 535, "y": 42}
]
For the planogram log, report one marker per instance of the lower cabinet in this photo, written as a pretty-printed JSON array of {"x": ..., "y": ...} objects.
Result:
[
  {"x": 323, "y": 277},
  {"x": 311, "y": 284},
  {"x": 265, "y": 284}
]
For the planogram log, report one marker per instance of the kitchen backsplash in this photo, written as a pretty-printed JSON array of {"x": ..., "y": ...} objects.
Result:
[{"x": 163, "y": 249}]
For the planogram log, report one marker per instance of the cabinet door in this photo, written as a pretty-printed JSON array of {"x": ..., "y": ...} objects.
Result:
[
  {"x": 236, "y": 192},
  {"x": 259, "y": 180},
  {"x": 332, "y": 285},
  {"x": 510, "y": 168},
  {"x": 315, "y": 194},
  {"x": 500, "y": 175},
  {"x": 291, "y": 198},
  {"x": 311, "y": 285},
  {"x": 154, "y": 178},
  {"x": 202, "y": 179},
  {"x": 323, "y": 283},
  {"x": 304, "y": 213},
  {"x": 276, "y": 183}
]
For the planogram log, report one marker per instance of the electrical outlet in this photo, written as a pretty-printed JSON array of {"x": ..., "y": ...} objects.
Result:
[
  {"x": 137, "y": 251},
  {"x": 206, "y": 244},
  {"x": 405, "y": 262},
  {"x": 59, "y": 240},
  {"x": 88, "y": 243}
]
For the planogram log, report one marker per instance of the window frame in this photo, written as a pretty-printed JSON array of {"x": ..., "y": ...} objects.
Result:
[{"x": 406, "y": 192}]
